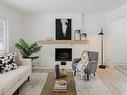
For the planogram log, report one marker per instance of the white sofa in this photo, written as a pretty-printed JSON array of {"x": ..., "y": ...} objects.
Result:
[{"x": 12, "y": 80}]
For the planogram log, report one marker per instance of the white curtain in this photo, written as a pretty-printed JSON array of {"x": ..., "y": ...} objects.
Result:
[{"x": 3, "y": 34}]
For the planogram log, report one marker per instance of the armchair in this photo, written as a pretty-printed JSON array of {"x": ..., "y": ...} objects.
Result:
[{"x": 91, "y": 67}]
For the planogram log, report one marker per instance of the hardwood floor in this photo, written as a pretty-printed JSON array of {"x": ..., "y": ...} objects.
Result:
[{"x": 115, "y": 80}]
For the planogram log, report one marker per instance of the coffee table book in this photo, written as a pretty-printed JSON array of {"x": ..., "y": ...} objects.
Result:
[{"x": 60, "y": 87}]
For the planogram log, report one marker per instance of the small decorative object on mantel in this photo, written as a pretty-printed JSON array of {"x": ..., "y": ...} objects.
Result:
[
  {"x": 57, "y": 71},
  {"x": 83, "y": 36},
  {"x": 77, "y": 35}
]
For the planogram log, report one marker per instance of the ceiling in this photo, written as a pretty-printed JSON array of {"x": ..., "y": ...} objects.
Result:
[{"x": 53, "y": 6}]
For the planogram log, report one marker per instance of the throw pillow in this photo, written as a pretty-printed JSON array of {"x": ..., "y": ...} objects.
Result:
[
  {"x": 17, "y": 60},
  {"x": 1, "y": 66},
  {"x": 84, "y": 61},
  {"x": 8, "y": 63}
]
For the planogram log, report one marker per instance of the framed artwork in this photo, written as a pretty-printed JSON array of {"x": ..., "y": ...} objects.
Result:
[{"x": 63, "y": 29}]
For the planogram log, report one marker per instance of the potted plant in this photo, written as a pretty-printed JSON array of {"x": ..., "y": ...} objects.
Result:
[{"x": 26, "y": 49}]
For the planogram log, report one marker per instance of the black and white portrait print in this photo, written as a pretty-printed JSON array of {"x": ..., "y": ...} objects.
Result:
[{"x": 63, "y": 29}]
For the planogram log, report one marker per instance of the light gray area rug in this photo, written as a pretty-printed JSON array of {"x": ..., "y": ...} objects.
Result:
[
  {"x": 92, "y": 87},
  {"x": 35, "y": 85}
]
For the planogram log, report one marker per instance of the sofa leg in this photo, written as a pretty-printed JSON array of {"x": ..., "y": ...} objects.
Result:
[
  {"x": 74, "y": 73},
  {"x": 17, "y": 92},
  {"x": 28, "y": 78},
  {"x": 87, "y": 76}
]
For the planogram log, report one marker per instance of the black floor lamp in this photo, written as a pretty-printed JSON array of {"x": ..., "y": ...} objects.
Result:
[{"x": 101, "y": 34}]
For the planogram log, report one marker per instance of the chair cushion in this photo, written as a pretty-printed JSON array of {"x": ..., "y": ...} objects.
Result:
[{"x": 9, "y": 79}]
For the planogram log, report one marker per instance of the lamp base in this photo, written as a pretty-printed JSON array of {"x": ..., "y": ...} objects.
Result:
[{"x": 102, "y": 66}]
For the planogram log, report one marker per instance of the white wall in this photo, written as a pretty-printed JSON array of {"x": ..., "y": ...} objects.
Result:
[
  {"x": 93, "y": 24},
  {"x": 14, "y": 24},
  {"x": 118, "y": 34},
  {"x": 43, "y": 26},
  {"x": 39, "y": 27}
]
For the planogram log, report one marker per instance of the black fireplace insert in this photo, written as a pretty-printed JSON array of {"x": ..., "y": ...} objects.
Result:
[{"x": 63, "y": 54}]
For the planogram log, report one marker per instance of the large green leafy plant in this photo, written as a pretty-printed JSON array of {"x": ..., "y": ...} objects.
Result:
[{"x": 27, "y": 49}]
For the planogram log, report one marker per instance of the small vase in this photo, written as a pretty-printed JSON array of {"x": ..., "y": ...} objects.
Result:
[
  {"x": 57, "y": 71},
  {"x": 77, "y": 35}
]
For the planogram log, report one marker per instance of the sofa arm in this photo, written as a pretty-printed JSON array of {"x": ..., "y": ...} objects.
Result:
[
  {"x": 75, "y": 62},
  {"x": 1, "y": 91},
  {"x": 27, "y": 62}
]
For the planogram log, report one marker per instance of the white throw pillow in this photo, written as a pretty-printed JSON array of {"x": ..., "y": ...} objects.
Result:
[{"x": 83, "y": 62}]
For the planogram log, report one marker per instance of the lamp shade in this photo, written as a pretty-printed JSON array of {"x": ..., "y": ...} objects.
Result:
[{"x": 101, "y": 33}]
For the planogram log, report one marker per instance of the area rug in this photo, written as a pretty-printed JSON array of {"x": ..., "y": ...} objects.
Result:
[
  {"x": 92, "y": 87},
  {"x": 83, "y": 87},
  {"x": 35, "y": 85}
]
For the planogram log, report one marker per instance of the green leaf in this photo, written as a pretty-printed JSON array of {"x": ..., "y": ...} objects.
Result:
[
  {"x": 26, "y": 49},
  {"x": 24, "y": 44}
]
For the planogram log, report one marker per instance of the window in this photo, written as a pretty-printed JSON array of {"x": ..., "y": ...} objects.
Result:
[{"x": 3, "y": 34}]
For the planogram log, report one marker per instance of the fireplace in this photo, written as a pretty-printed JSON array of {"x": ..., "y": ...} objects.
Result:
[{"x": 63, "y": 54}]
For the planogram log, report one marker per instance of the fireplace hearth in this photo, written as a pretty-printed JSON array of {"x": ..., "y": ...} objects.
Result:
[{"x": 63, "y": 54}]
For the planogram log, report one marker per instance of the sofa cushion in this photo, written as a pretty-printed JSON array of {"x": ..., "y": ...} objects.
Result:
[
  {"x": 9, "y": 79},
  {"x": 24, "y": 69}
]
